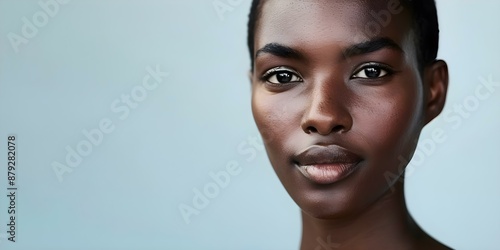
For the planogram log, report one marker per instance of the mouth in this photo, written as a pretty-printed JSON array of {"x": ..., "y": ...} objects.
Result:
[{"x": 326, "y": 164}]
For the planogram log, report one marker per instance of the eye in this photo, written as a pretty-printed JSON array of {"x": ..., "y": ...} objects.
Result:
[
  {"x": 281, "y": 75},
  {"x": 372, "y": 72}
]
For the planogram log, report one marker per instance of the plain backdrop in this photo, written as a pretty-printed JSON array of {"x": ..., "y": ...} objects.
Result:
[{"x": 69, "y": 76}]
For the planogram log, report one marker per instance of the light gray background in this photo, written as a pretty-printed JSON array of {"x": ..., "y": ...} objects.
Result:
[{"x": 126, "y": 193}]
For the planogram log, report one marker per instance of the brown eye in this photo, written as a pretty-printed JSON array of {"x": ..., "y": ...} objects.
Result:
[
  {"x": 371, "y": 72},
  {"x": 282, "y": 76}
]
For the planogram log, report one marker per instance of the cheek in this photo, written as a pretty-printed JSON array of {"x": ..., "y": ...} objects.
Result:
[
  {"x": 393, "y": 125},
  {"x": 276, "y": 120},
  {"x": 268, "y": 114}
]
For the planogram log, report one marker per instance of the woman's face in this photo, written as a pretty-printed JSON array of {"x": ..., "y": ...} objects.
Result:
[{"x": 337, "y": 98}]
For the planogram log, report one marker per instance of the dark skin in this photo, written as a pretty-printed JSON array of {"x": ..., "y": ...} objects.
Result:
[{"x": 317, "y": 82}]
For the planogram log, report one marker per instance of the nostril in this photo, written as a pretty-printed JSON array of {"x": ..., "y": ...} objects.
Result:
[
  {"x": 338, "y": 128},
  {"x": 311, "y": 129}
]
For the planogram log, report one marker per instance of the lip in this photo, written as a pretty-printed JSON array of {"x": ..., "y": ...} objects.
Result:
[{"x": 326, "y": 164}]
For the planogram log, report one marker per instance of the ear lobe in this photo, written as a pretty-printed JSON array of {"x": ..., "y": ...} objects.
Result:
[{"x": 436, "y": 80}]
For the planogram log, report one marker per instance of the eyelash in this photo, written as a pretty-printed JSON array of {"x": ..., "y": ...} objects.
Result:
[
  {"x": 275, "y": 71},
  {"x": 372, "y": 65},
  {"x": 295, "y": 75}
]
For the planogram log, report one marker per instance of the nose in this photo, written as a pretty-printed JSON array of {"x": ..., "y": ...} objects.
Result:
[{"x": 327, "y": 111}]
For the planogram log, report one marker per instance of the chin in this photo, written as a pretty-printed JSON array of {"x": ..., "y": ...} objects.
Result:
[
  {"x": 342, "y": 199},
  {"x": 331, "y": 206}
]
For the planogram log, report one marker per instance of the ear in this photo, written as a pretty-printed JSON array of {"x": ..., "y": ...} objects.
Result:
[{"x": 436, "y": 82}]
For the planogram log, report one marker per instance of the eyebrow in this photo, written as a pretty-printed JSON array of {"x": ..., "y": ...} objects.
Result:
[
  {"x": 362, "y": 48},
  {"x": 371, "y": 46},
  {"x": 279, "y": 50}
]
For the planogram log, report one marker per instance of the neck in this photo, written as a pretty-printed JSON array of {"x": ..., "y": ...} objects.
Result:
[{"x": 386, "y": 224}]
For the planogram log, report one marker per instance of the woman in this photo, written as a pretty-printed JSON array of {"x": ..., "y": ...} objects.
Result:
[{"x": 340, "y": 93}]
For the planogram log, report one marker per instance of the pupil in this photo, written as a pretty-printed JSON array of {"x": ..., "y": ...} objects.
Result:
[
  {"x": 284, "y": 77},
  {"x": 372, "y": 72}
]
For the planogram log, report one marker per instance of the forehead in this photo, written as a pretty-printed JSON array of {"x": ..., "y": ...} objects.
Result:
[{"x": 328, "y": 22}]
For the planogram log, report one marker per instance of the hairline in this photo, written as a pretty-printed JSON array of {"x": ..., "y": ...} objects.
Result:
[{"x": 414, "y": 30}]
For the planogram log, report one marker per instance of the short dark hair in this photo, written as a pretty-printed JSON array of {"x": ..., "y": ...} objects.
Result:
[{"x": 425, "y": 25}]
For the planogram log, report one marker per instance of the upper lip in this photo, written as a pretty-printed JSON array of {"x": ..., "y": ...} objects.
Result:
[{"x": 330, "y": 154}]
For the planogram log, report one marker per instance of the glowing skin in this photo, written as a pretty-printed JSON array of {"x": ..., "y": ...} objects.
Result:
[{"x": 336, "y": 108}]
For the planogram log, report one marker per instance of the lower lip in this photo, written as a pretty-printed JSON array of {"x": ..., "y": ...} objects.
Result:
[{"x": 328, "y": 173}]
